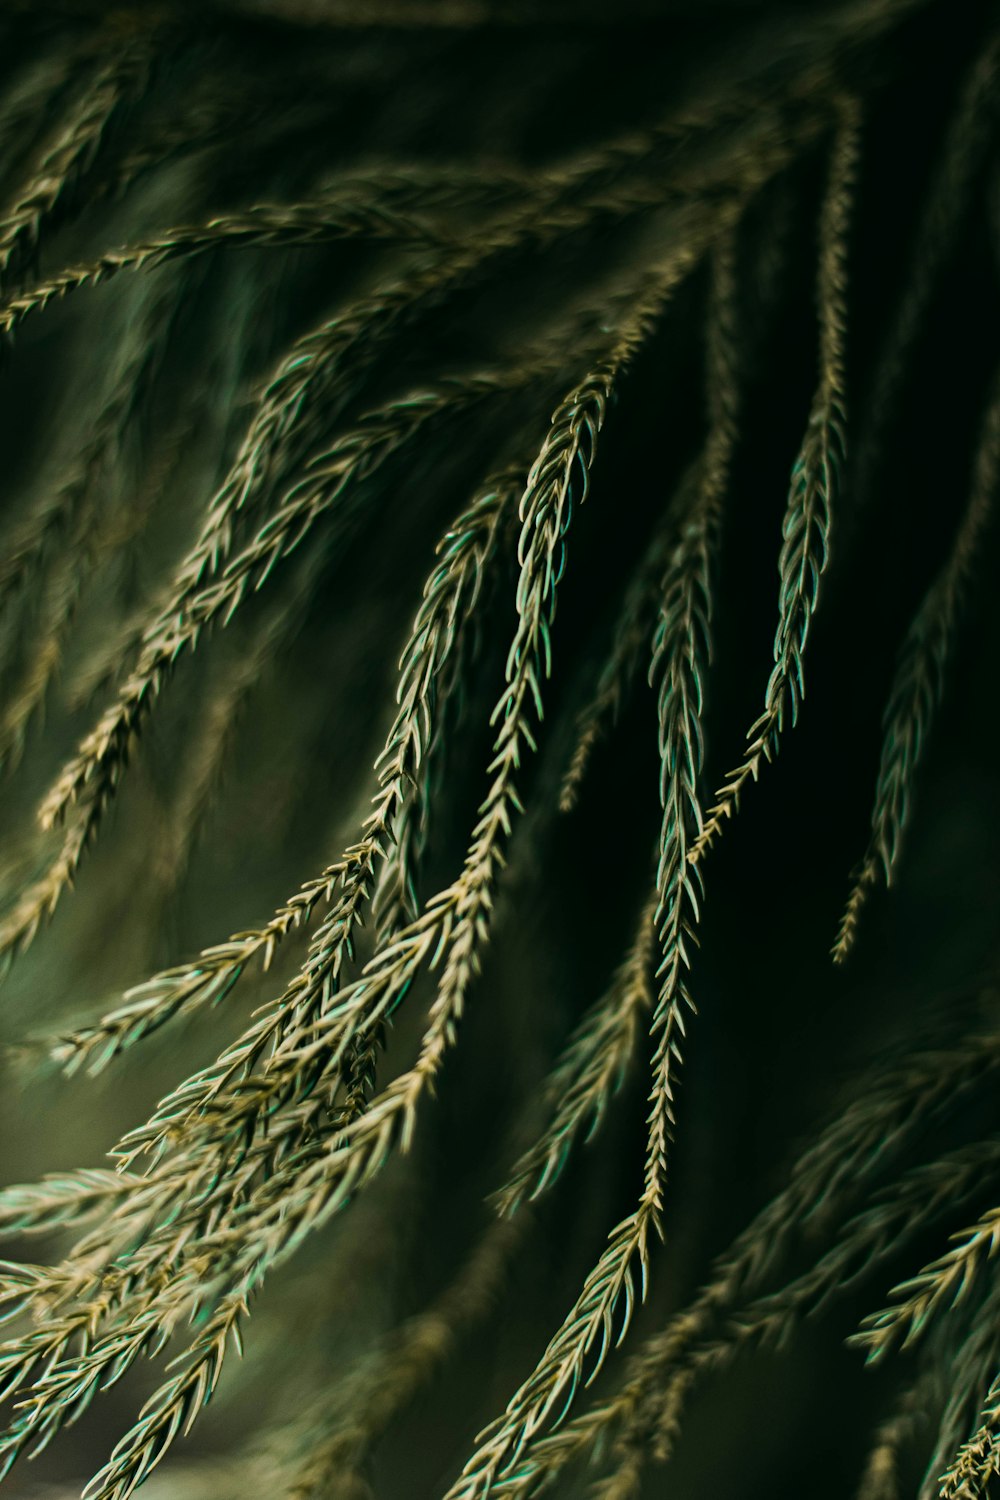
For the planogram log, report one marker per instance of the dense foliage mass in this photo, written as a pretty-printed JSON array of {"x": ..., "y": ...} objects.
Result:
[{"x": 324, "y": 322}]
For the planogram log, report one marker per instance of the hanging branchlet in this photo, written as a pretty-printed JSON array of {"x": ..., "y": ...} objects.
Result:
[
  {"x": 37, "y": 902},
  {"x": 939, "y": 1286},
  {"x": 320, "y": 364},
  {"x": 324, "y": 1184},
  {"x": 541, "y": 284},
  {"x": 89, "y": 782},
  {"x": 681, "y": 652},
  {"x": 191, "y": 986},
  {"x": 61, "y": 1202},
  {"x": 78, "y": 523},
  {"x": 629, "y": 647},
  {"x": 73, "y": 144},
  {"x": 963, "y": 1367},
  {"x": 636, "y": 622},
  {"x": 861, "y": 1142},
  {"x": 869, "y": 1239},
  {"x": 318, "y": 222},
  {"x": 213, "y": 582},
  {"x": 546, "y": 1395},
  {"x": 429, "y": 678},
  {"x": 449, "y": 597},
  {"x": 594, "y": 1060},
  {"x": 816, "y": 477},
  {"x": 589, "y": 1072},
  {"x": 328, "y": 1029},
  {"x": 300, "y": 1192},
  {"x": 680, "y": 656},
  {"x": 918, "y": 683},
  {"x": 173, "y": 1408},
  {"x": 978, "y": 1459}
]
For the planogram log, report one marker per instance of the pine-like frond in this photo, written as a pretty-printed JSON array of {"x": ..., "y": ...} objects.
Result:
[
  {"x": 66, "y": 154},
  {"x": 678, "y": 653},
  {"x": 862, "y": 1141},
  {"x": 816, "y": 477},
  {"x": 918, "y": 684},
  {"x": 968, "y": 1374},
  {"x": 940, "y": 1285},
  {"x": 474, "y": 260},
  {"x": 589, "y": 1071}
]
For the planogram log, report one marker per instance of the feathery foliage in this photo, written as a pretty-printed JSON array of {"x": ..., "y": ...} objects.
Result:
[{"x": 323, "y": 322}]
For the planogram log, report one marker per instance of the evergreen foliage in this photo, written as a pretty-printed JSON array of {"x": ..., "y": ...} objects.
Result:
[{"x": 323, "y": 313}]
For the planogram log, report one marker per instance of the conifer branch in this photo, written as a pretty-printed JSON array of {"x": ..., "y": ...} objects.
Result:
[
  {"x": 964, "y": 1377},
  {"x": 942, "y": 1283},
  {"x": 172, "y": 1409},
  {"x": 870, "y": 1238},
  {"x": 978, "y": 1459},
  {"x": 72, "y": 146},
  {"x": 863, "y": 1140},
  {"x": 314, "y": 222},
  {"x": 814, "y": 487},
  {"x": 918, "y": 683},
  {"x": 61, "y": 1202},
  {"x": 90, "y": 780},
  {"x": 681, "y": 652},
  {"x": 450, "y": 596},
  {"x": 491, "y": 287},
  {"x": 300, "y": 1193},
  {"x": 328, "y": 1028},
  {"x": 188, "y": 987},
  {"x": 35, "y": 904},
  {"x": 211, "y": 583},
  {"x": 549, "y": 1390},
  {"x": 589, "y": 1072}
]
